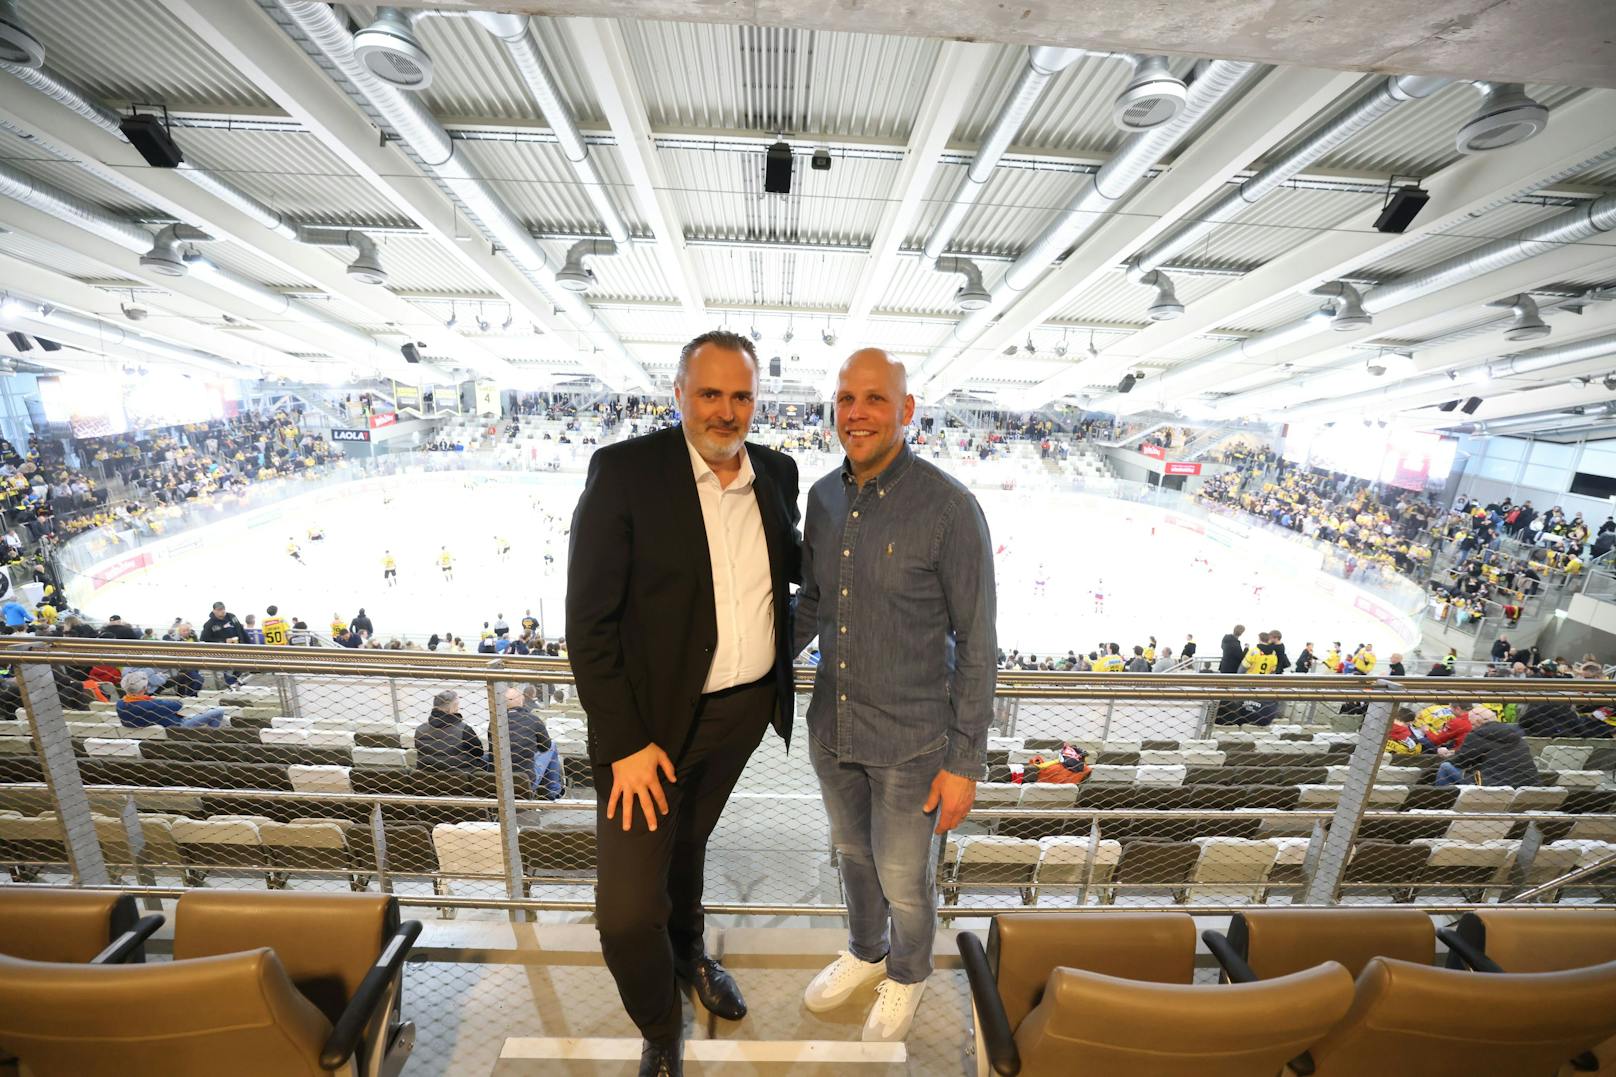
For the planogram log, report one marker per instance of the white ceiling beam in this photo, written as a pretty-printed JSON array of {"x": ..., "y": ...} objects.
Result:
[
  {"x": 22, "y": 278},
  {"x": 285, "y": 333},
  {"x": 951, "y": 88},
  {"x": 244, "y": 35},
  {"x": 605, "y": 61},
  {"x": 1262, "y": 116},
  {"x": 1462, "y": 191}
]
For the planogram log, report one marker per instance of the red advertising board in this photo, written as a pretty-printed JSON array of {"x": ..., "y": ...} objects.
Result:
[
  {"x": 383, "y": 418},
  {"x": 1181, "y": 469},
  {"x": 1155, "y": 451}
]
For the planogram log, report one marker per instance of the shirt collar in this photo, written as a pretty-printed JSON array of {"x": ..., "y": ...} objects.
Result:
[
  {"x": 703, "y": 472},
  {"x": 889, "y": 475}
]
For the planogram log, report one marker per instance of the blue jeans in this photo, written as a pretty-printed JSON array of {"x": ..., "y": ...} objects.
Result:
[
  {"x": 887, "y": 852},
  {"x": 212, "y": 718},
  {"x": 1448, "y": 774}
]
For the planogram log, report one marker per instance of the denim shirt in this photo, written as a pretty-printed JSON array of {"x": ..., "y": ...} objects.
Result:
[{"x": 898, "y": 586}]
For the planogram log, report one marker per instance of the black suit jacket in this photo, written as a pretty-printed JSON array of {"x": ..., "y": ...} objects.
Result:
[{"x": 641, "y": 626}]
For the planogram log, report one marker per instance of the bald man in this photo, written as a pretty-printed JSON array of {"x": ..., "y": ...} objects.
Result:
[{"x": 898, "y": 586}]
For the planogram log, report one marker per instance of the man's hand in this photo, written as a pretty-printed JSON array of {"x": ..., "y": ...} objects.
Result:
[
  {"x": 955, "y": 795},
  {"x": 635, "y": 776},
  {"x": 1443, "y": 753}
]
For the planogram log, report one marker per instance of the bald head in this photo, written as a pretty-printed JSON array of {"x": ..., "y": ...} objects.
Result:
[
  {"x": 877, "y": 363},
  {"x": 873, "y": 406}
]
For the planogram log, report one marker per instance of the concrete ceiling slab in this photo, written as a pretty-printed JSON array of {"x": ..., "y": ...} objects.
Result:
[{"x": 1567, "y": 42}]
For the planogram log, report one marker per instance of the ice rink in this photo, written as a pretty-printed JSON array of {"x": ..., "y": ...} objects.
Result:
[{"x": 1160, "y": 572}]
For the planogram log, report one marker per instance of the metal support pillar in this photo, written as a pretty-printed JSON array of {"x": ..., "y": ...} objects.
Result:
[
  {"x": 53, "y": 741},
  {"x": 1324, "y": 880},
  {"x": 505, "y": 791}
]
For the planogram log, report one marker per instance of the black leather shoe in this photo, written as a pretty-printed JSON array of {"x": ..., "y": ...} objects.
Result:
[
  {"x": 662, "y": 1058},
  {"x": 715, "y": 987}
]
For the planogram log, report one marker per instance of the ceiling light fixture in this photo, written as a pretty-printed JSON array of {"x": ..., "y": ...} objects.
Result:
[
  {"x": 1505, "y": 117},
  {"x": 971, "y": 295},
  {"x": 390, "y": 50},
  {"x": 1609, "y": 382},
  {"x": 828, "y": 337},
  {"x": 17, "y": 44},
  {"x": 788, "y": 334},
  {"x": 574, "y": 275},
  {"x": 757, "y": 337},
  {"x": 454, "y": 317},
  {"x": 1528, "y": 325}
]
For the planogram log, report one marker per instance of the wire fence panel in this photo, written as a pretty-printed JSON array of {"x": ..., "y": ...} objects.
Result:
[{"x": 454, "y": 782}]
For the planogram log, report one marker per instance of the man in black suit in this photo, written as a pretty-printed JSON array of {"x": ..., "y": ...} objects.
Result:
[{"x": 684, "y": 546}]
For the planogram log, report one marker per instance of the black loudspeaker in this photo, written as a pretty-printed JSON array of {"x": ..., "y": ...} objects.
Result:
[
  {"x": 20, "y": 341},
  {"x": 777, "y": 169},
  {"x": 148, "y": 135},
  {"x": 1469, "y": 407},
  {"x": 1447, "y": 405},
  {"x": 48, "y": 345},
  {"x": 1126, "y": 384},
  {"x": 1404, "y": 206},
  {"x": 774, "y": 367},
  {"x": 412, "y": 353}
]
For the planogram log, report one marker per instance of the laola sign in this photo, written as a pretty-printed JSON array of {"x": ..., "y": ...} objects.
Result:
[{"x": 338, "y": 434}]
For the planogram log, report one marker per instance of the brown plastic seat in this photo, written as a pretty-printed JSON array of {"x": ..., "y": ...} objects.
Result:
[
  {"x": 66, "y": 926},
  {"x": 1277, "y": 942},
  {"x": 1539, "y": 940},
  {"x": 1116, "y": 1025},
  {"x": 1155, "y": 864},
  {"x": 1510, "y": 1023},
  {"x": 1028, "y": 998},
  {"x": 328, "y": 944},
  {"x": 237, "y": 1013}
]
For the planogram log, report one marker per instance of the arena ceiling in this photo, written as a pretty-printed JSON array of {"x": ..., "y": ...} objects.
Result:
[{"x": 488, "y": 191}]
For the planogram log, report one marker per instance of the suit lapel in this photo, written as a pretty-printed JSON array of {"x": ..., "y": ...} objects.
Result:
[
  {"x": 685, "y": 523},
  {"x": 768, "y": 501}
]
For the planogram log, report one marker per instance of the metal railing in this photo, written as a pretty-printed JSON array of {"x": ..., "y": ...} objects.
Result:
[{"x": 1214, "y": 791}]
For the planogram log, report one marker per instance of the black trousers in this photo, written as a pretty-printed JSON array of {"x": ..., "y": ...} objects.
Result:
[{"x": 649, "y": 884}]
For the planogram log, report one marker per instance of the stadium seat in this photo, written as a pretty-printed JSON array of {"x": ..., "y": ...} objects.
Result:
[
  {"x": 1058, "y": 994},
  {"x": 207, "y": 846},
  {"x": 260, "y": 985},
  {"x": 1538, "y": 798},
  {"x": 1064, "y": 862},
  {"x": 1563, "y": 756},
  {"x": 467, "y": 851},
  {"x": 1034, "y": 795},
  {"x": 1383, "y": 866},
  {"x": 557, "y": 855},
  {"x": 1231, "y": 870},
  {"x": 1483, "y": 798},
  {"x": 72, "y": 926},
  {"x": 1154, "y": 865},
  {"x": 1514, "y": 1023},
  {"x": 1467, "y": 866},
  {"x": 304, "y": 846},
  {"x": 319, "y": 779},
  {"x": 996, "y": 864},
  {"x": 1264, "y": 944},
  {"x": 28, "y": 843}
]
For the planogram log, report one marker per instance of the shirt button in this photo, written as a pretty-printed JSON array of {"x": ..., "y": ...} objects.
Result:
[
  {"x": 880, "y": 493},
  {"x": 843, "y": 665},
  {"x": 844, "y": 591},
  {"x": 855, "y": 514},
  {"x": 844, "y": 630},
  {"x": 844, "y": 697}
]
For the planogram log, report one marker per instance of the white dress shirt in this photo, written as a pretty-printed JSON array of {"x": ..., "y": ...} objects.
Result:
[{"x": 743, "y": 589}]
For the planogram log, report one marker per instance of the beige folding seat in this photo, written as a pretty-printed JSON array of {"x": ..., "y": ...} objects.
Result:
[
  {"x": 1478, "y": 830},
  {"x": 1160, "y": 775},
  {"x": 1048, "y": 795},
  {"x": 1063, "y": 862},
  {"x": 1484, "y": 798},
  {"x": 331, "y": 738},
  {"x": 379, "y": 757},
  {"x": 1232, "y": 870},
  {"x": 1001, "y": 866},
  {"x": 222, "y": 843},
  {"x": 1582, "y": 779},
  {"x": 319, "y": 778},
  {"x": 296, "y": 736},
  {"x": 304, "y": 845},
  {"x": 1466, "y": 865},
  {"x": 128, "y": 749},
  {"x": 1113, "y": 774},
  {"x": 1537, "y": 798},
  {"x": 1563, "y": 756},
  {"x": 468, "y": 851}
]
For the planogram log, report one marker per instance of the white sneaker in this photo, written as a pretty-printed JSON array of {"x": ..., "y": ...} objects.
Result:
[
  {"x": 838, "y": 980},
  {"x": 895, "y": 1006}
]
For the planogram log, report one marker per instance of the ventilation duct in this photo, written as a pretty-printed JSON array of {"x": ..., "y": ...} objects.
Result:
[
  {"x": 1505, "y": 117},
  {"x": 1569, "y": 416},
  {"x": 1339, "y": 129},
  {"x": 1347, "y": 312},
  {"x": 1573, "y": 226},
  {"x": 110, "y": 336},
  {"x": 1043, "y": 64},
  {"x": 1101, "y": 191},
  {"x": 79, "y": 212},
  {"x": 1528, "y": 324},
  {"x": 971, "y": 295},
  {"x": 1165, "y": 307},
  {"x": 514, "y": 31},
  {"x": 390, "y": 50},
  {"x": 1536, "y": 361},
  {"x": 18, "y": 45},
  {"x": 435, "y": 153},
  {"x": 366, "y": 268},
  {"x": 167, "y": 254},
  {"x": 1153, "y": 96}
]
